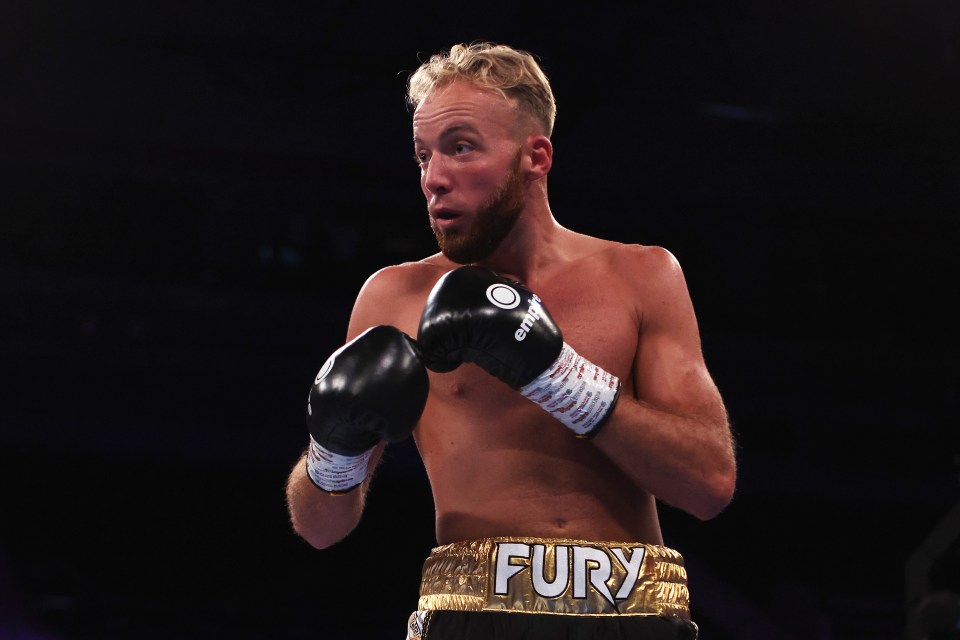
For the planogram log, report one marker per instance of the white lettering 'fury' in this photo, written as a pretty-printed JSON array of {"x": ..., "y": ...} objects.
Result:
[{"x": 591, "y": 567}]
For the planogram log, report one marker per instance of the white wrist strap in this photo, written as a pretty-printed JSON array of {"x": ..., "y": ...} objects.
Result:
[
  {"x": 575, "y": 391},
  {"x": 334, "y": 472}
]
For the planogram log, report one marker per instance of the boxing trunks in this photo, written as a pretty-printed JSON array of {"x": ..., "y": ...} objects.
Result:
[{"x": 552, "y": 589}]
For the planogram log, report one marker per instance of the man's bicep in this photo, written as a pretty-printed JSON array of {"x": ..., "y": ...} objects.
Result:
[
  {"x": 671, "y": 375},
  {"x": 669, "y": 371}
]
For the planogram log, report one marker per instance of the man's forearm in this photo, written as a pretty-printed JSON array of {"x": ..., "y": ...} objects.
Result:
[
  {"x": 318, "y": 517},
  {"x": 687, "y": 463}
]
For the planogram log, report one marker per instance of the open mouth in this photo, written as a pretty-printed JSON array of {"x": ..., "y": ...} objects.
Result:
[
  {"x": 443, "y": 213},
  {"x": 444, "y": 218}
]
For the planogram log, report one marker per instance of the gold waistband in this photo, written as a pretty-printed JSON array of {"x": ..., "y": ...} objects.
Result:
[{"x": 560, "y": 576}]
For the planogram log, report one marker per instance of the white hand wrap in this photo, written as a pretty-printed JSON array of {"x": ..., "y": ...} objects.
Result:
[
  {"x": 575, "y": 391},
  {"x": 334, "y": 472}
]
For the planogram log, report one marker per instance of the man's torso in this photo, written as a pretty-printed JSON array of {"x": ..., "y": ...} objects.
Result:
[{"x": 500, "y": 465}]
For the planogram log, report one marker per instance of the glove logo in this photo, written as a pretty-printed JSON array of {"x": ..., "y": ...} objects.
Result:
[
  {"x": 324, "y": 370},
  {"x": 503, "y": 296}
]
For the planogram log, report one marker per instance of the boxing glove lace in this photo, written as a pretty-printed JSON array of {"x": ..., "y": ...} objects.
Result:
[
  {"x": 475, "y": 315},
  {"x": 373, "y": 388}
]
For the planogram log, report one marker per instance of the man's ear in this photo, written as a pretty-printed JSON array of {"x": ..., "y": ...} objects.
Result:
[{"x": 537, "y": 157}]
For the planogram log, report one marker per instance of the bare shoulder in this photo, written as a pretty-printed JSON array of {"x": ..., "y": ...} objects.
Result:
[
  {"x": 634, "y": 262},
  {"x": 648, "y": 258},
  {"x": 395, "y": 295},
  {"x": 400, "y": 279},
  {"x": 655, "y": 277}
]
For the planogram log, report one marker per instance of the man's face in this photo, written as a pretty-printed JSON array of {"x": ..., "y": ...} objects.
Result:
[{"x": 469, "y": 161}]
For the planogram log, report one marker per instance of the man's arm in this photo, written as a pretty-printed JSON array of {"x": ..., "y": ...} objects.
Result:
[
  {"x": 673, "y": 438},
  {"x": 319, "y": 517}
]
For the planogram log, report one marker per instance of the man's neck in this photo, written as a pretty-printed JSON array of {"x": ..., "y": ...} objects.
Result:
[{"x": 529, "y": 249}]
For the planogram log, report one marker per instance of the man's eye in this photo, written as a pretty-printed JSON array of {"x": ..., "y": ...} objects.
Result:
[
  {"x": 420, "y": 158},
  {"x": 462, "y": 147}
]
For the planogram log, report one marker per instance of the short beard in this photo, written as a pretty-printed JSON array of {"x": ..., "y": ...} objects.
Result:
[{"x": 493, "y": 223}]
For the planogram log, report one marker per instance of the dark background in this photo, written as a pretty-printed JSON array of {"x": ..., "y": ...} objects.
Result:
[{"x": 192, "y": 194}]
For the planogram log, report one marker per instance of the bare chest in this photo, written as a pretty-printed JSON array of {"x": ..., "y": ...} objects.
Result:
[{"x": 598, "y": 320}]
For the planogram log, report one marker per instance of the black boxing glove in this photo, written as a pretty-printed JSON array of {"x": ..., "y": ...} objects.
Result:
[
  {"x": 373, "y": 388},
  {"x": 476, "y": 315}
]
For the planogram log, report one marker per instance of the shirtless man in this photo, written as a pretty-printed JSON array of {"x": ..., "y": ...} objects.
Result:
[{"x": 546, "y": 515}]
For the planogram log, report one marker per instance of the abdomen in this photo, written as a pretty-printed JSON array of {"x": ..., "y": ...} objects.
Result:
[{"x": 500, "y": 466}]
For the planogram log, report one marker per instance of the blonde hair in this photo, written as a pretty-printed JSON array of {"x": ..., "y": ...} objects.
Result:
[{"x": 513, "y": 73}]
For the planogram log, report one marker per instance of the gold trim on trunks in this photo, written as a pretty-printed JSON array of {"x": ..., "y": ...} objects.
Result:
[{"x": 537, "y": 575}]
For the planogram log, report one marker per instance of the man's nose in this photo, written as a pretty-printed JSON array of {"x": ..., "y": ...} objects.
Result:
[{"x": 436, "y": 177}]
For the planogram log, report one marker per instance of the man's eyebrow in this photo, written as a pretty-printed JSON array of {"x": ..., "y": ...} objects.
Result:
[
  {"x": 452, "y": 130},
  {"x": 457, "y": 128}
]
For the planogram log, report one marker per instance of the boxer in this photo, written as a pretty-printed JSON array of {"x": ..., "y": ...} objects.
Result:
[{"x": 566, "y": 390}]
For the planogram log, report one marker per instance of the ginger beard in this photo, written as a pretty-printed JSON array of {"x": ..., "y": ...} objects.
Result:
[{"x": 492, "y": 224}]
